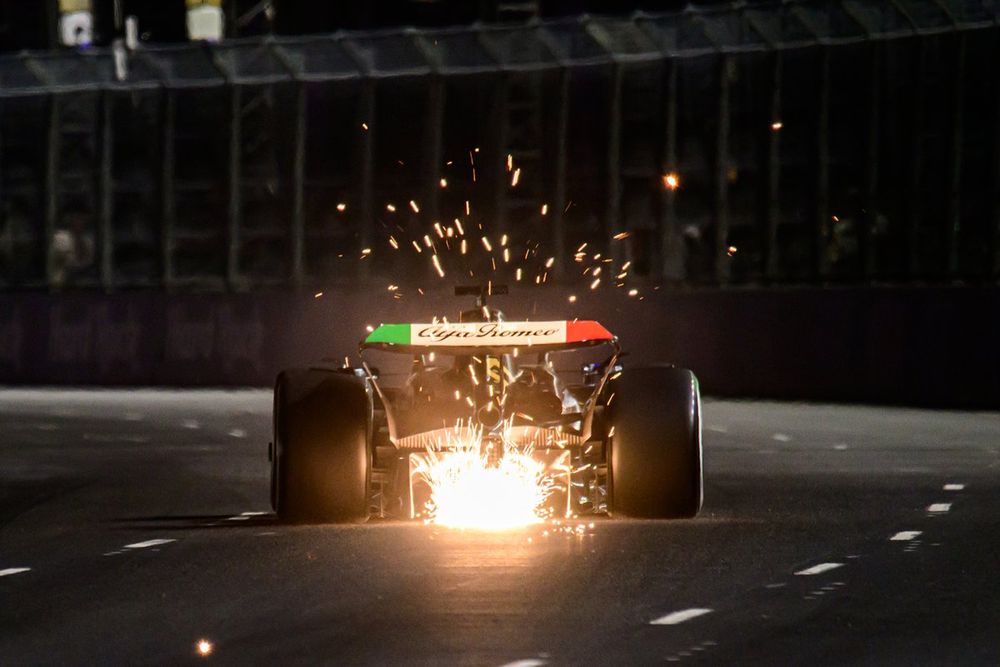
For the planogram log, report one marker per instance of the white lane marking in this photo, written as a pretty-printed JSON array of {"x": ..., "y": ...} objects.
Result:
[
  {"x": 840, "y": 447},
  {"x": 527, "y": 662},
  {"x": 13, "y": 570},
  {"x": 113, "y": 553},
  {"x": 905, "y": 535},
  {"x": 781, "y": 437},
  {"x": 818, "y": 569},
  {"x": 191, "y": 423},
  {"x": 939, "y": 508},
  {"x": 238, "y": 433},
  {"x": 779, "y": 585},
  {"x": 954, "y": 487},
  {"x": 680, "y": 616},
  {"x": 253, "y": 513},
  {"x": 115, "y": 437},
  {"x": 148, "y": 543}
]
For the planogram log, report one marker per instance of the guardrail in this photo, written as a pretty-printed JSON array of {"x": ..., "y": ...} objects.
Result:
[{"x": 808, "y": 142}]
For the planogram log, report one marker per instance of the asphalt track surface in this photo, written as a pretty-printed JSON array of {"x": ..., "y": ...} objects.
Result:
[{"x": 830, "y": 536}]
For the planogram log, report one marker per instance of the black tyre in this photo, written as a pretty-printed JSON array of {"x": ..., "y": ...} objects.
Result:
[
  {"x": 655, "y": 458},
  {"x": 321, "y": 460}
]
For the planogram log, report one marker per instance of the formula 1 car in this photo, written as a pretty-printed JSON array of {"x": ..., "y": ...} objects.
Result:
[{"x": 345, "y": 438}]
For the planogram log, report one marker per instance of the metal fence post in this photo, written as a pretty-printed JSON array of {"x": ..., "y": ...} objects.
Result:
[
  {"x": 559, "y": 192},
  {"x": 954, "y": 215},
  {"x": 499, "y": 121},
  {"x": 870, "y": 217},
  {"x": 106, "y": 193},
  {"x": 772, "y": 262},
  {"x": 915, "y": 209},
  {"x": 235, "y": 194},
  {"x": 671, "y": 250},
  {"x": 822, "y": 231},
  {"x": 167, "y": 186},
  {"x": 721, "y": 178},
  {"x": 614, "y": 186},
  {"x": 434, "y": 132},
  {"x": 995, "y": 194},
  {"x": 51, "y": 183},
  {"x": 366, "y": 118},
  {"x": 297, "y": 235}
]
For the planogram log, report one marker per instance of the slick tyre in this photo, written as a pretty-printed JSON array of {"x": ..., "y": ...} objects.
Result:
[
  {"x": 655, "y": 459},
  {"x": 321, "y": 461}
]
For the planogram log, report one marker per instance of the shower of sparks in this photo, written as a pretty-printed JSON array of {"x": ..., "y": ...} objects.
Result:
[
  {"x": 413, "y": 205},
  {"x": 671, "y": 181},
  {"x": 342, "y": 207},
  {"x": 204, "y": 648},
  {"x": 470, "y": 492},
  {"x": 777, "y": 125}
]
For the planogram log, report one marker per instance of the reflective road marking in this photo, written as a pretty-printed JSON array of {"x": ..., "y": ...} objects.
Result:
[
  {"x": 148, "y": 543},
  {"x": 13, "y": 570},
  {"x": 905, "y": 535},
  {"x": 954, "y": 487},
  {"x": 819, "y": 569},
  {"x": 680, "y": 616},
  {"x": 939, "y": 508}
]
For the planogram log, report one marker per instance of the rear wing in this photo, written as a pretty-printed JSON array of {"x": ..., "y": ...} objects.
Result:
[{"x": 493, "y": 337}]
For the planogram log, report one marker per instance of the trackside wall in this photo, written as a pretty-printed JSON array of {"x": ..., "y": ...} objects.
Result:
[{"x": 911, "y": 346}]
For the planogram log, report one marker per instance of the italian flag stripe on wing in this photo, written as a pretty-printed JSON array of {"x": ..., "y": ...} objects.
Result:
[
  {"x": 580, "y": 330},
  {"x": 395, "y": 334}
]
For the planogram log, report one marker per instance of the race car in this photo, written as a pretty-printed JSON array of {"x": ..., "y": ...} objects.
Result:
[{"x": 345, "y": 438}]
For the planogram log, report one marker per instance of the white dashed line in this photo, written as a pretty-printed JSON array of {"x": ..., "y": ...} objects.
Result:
[
  {"x": 781, "y": 437},
  {"x": 13, "y": 570},
  {"x": 680, "y": 616},
  {"x": 939, "y": 508},
  {"x": 840, "y": 447},
  {"x": 905, "y": 535},
  {"x": 954, "y": 487},
  {"x": 148, "y": 543},
  {"x": 818, "y": 569},
  {"x": 191, "y": 423},
  {"x": 244, "y": 516},
  {"x": 528, "y": 662},
  {"x": 238, "y": 433}
]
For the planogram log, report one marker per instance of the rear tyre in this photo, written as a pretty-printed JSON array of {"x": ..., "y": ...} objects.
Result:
[
  {"x": 321, "y": 460},
  {"x": 655, "y": 458}
]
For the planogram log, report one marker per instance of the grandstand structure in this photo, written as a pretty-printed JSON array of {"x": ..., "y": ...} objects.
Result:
[{"x": 841, "y": 142}]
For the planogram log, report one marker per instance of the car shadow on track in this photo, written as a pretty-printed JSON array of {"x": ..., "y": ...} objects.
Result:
[{"x": 199, "y": 521}]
